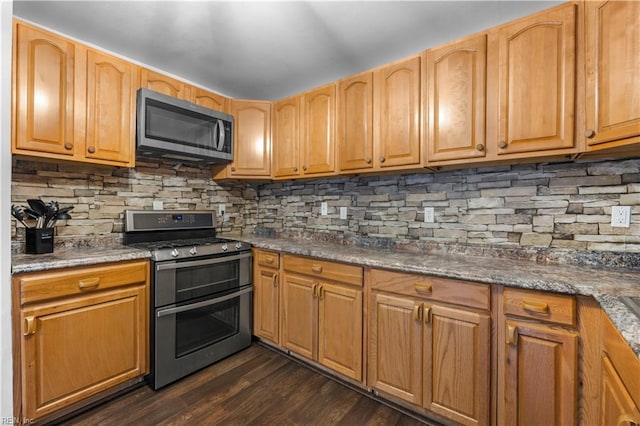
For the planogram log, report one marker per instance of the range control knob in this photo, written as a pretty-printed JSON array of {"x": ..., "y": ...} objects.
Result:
[
  {"x": 238, "y": 245},
  {"x": 224, "y": 247},
  {"x": 175, "y": 253},
  {"x": 193, "y": 251}
]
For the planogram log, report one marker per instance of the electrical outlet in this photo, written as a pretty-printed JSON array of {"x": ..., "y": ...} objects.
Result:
[
  {"x": 343, "y": 212},
  {"x": 429, "y": 215},
  {"x": 221, "y": 211},
  {"x": 158, "y": 205},
  {"x": 324, "y": 209},
  {"x": 620, "y": 216}
]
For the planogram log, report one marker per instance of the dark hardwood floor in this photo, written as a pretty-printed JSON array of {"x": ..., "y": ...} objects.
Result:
[{"x": 257, "y": 386}]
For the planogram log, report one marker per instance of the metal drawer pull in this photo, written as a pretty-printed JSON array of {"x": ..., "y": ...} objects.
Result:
[
  {"x": 535, "y": 307},
  {"x": 512, "y": 333},
  {"x": 88, "y": 283},
  {"x": 30, "y": 322},
  {"x": 316, "y": 268},
  {"x": 425, "y": 288},
  {"x": 269, "y": 259}
]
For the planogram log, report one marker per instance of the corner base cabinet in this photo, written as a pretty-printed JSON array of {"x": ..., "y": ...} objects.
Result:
[{"x": 81, "y": 331}]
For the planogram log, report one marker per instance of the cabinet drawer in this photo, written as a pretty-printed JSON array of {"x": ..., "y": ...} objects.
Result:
[
  {"x": 556, "y": 308},
  {"x": 349, "y": 274},
  {"x": 67, "y": 282},
  {"x": 269, "y": 259},
  {"x": 467, "y": 293}
]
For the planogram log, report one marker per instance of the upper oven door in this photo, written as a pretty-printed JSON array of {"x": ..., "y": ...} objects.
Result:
[{"x": 183, "y": 280}]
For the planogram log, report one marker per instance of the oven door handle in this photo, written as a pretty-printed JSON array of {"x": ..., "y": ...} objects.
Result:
[
  {"x": 212, "y": 261},
  {"x": 204, "y": 303}
]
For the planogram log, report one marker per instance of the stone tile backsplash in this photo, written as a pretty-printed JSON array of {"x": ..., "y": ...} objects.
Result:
[{"x": 536, "y": 206}]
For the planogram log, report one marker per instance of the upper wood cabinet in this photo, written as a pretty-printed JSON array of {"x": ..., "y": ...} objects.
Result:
[
  {"x": 613, "y": 74},
  {"x": 397, "y": 114},
  {"x": 454, "y": 87},
  {"x": 164, "y": 84},
  {"x": 355, "y": 122},
  {"x": 286, "y": 137},
  {"x": 252, "y": 141},
  {"x": 71, "y": 102},
  {"x": 210, "y": 100},
  {"x": 304, "y": 134},
  {"x": 536, "y": 79}
]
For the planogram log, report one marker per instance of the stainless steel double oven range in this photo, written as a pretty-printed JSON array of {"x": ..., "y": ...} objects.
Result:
[{"x": 201, "y": 291}]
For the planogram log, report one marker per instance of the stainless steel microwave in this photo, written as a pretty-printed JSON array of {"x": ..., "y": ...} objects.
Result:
[{"x": 172, "y": 128}]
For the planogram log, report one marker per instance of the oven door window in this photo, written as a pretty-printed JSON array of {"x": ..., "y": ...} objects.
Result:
[
  {"x": 199, "y": 281},
  {"x": 205, "y": 326}
]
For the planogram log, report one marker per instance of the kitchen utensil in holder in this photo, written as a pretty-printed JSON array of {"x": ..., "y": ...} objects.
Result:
[{"x": 39, "y": 240}]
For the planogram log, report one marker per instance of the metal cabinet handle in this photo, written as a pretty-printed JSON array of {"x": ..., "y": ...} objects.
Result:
[
  {"x": 88, "y": 283},
  {"x": 426, "y": 314},
  {"x": 317, "y": 269},
  {"x": 91, "y": 149},
  {"x": 502, "y": 144},
  {"x": 68, "y": 146},
  {"x": 30, "y": 326},
  {"x": 367, "y": 160},
  {"x": 480, "y": 147},
  {"x": 424, "y": 288},
  {"x": 512, "y": 334},
  {"x": 314, "y": 289},
  {"x": 382, "y": 159},
  {"x": 295, "y": 169},
  {"x": 320, "y": 291},
  {"x": 233, "y": 169},
  {"x": 304, "y": 168},
  {"x": 275, "y": 280},
  {"x": 589, "y": 133},
  {"x": 535, "y": 307}
]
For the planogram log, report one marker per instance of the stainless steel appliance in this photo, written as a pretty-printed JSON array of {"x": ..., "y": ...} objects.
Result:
[
  {"x": 173, "y": 128},
  {"x": 201, "y": 307}
]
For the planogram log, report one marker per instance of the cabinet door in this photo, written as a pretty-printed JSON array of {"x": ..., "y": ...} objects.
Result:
[
  {"x": 536, "y": 82},
  {"x": 209, "y": 100},
  {"x": 110, "y": 111},
  {"x": 540, "y": 375},
  {"x": 398, "y": 113},
  {"x": 456, "y": 102},
  {"x": 78, "y": 348},
  {"x": 355, "y": 122},
  {"x": 457, "y": 353},
  {"x": 164, "y": 84},
  {"x": 286, "y": 137},
  {"x": 395, "y": 347},
  {"x": 340, "y": 329},
  {"x": 318, "y": 128},
  {"x": 252, "y": 147},
  {"x": 44, "y": 92},
  {"x": 299, "y": 315},
  {"x": 266, "y": 303},
  {"x": 613, "y": 71},
  {"x": 617, "y": 406}
]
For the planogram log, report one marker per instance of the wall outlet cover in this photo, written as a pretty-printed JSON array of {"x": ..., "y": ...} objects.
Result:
[
  {"x": 324, "y": 209},
  {"x": 343, "y": 212},
  {"x": 158, "y": 205},
  {"x": 620, "y": 216},
  {"x": 221, "y": 211},
  {"x": 429, "y": 215}
]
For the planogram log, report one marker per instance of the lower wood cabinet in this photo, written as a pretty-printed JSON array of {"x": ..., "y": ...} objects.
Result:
[
  {"x": 266, "y": 295},
  {"x": 540, "y": 359},
  {"x": 432, "y": 354},
  {"x": 321, "y": 318},
  {"x": 81, "y": 331}
]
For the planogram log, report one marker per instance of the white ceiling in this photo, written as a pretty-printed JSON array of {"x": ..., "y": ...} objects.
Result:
[{"x": 269, "y": 49}]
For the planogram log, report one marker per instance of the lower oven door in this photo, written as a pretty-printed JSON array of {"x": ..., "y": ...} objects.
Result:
[{"x": 192, "y": 336}]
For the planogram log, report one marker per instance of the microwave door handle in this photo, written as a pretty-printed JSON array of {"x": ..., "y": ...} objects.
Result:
[{"x": 220, "y": 125}]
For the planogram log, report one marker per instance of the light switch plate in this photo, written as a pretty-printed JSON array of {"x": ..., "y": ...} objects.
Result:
[
  {"x": 343, "y": 212},
  {"x": 158, "y": 205},
  {"x": 620, "y": 216},
  {"x": 324, "y": 209}
]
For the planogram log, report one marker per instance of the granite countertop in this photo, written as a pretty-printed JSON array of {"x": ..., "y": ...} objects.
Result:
[
  {"x": 68, "y": 258},
  {"x": 607, "y": 286}
]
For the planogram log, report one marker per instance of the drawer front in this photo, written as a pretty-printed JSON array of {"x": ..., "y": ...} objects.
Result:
[
  {"x": 538, "y": 305},
  {"x": 68, "y": 282},
  {"x": 349, "y": 274},
  {"x": 266, "y": 258},
  {"x": 467, "y": 293}
]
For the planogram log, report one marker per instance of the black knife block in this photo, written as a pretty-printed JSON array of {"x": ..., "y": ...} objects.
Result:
[{"x": 39, "y": 240}]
